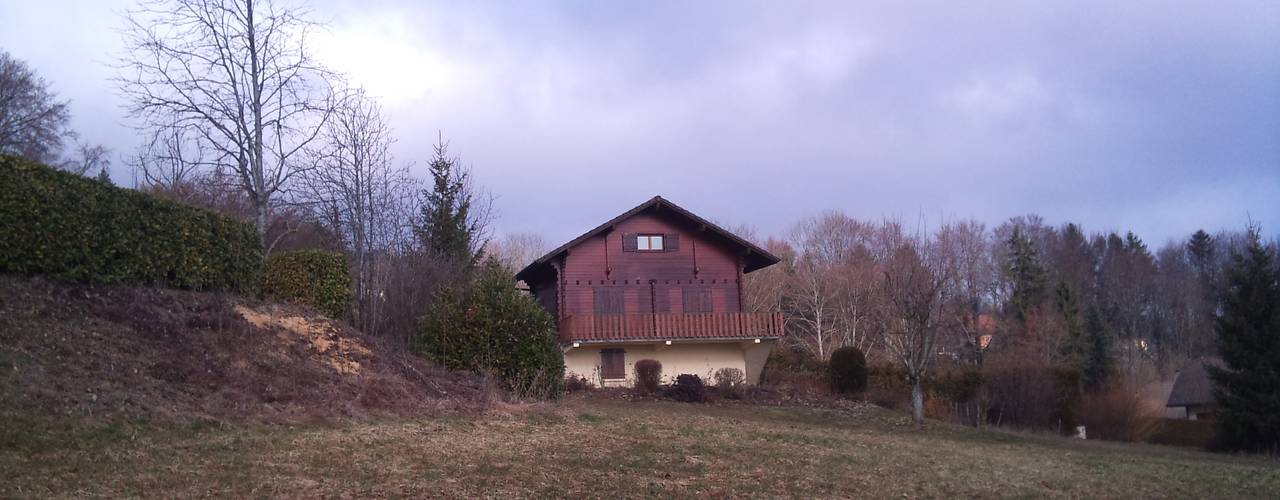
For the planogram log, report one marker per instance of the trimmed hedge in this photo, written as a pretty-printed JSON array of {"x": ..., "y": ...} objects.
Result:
[
  {"x": 76, "y": 229},
  {"x": 316, "y": 278},
  {"x": 848, "y": 370},
  {"x": 648, "y": 376}
]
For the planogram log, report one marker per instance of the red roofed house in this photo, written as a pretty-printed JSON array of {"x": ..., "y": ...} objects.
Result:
[{"x": 656, "y": 282}]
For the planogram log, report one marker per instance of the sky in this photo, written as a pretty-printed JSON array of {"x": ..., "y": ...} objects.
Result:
[{"x": 1160, "y": 117}]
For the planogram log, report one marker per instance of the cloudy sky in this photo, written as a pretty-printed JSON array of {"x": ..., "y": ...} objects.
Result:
[{"x": 1161, "y": 117}]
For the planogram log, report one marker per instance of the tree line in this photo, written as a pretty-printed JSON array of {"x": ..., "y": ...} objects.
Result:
[{"x": 1024, "y": 292}]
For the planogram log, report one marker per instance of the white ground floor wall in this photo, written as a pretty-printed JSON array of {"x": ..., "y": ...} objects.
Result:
[{"x": 697, "y": 358}]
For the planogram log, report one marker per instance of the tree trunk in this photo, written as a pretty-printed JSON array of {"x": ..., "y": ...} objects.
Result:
[{"x": 917, "y": 402}]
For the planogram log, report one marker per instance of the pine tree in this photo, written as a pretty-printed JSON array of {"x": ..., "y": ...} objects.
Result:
[
  {"x": 1088, "y": 346},
  {"x": 1022, "y": 268},
  {"x": 1096, "y": 362},
  {"x": 1248, "y": 388},
  {"x": 1201, "y": 249},
  {"x": 446, "y": 226}
]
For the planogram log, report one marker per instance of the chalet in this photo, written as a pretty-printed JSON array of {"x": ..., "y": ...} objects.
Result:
[
  {"x": 656, "y": 282},
  {"x": 1192, "y": 391}
]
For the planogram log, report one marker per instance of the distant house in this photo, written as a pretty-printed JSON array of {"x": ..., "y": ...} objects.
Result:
[
  {"x": 656, "y": 282},
  {"x": 1192, "y": 392}
]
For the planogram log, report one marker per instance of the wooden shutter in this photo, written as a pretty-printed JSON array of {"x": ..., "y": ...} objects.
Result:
[
  {"x": 608, "y": 300},
  {"x": 697, "y": 301},
  {"x": 613, "y": 364},
  {"x": 662, "y": 299},
  {"x": 670, "y": 242},
  {"x": 629, "y": 242}
]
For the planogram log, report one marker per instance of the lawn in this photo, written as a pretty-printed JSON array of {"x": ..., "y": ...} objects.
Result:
[{"x": 606, "y": 448}]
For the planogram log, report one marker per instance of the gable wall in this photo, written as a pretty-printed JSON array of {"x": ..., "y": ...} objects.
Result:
[{"x": 674, "y": 270}]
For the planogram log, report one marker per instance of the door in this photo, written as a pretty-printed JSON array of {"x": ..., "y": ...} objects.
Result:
[{"x": 613, "y": 364}]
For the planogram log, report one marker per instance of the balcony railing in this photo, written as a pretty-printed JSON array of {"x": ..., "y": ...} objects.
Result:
[{"x": 670, "y": 326}]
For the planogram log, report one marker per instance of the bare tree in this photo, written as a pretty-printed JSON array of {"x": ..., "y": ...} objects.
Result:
[
  {"x": 87, "y": 159},
  {"x": 917, "y": 279},
  {"x": 364, "y": 196},
  {"x": 240, "y": 75},
  {"x": 171, "y": 160},
  {"x": 973, "y": 289},
  {"x": 33, "y": 122},
  {"x": 516, "y": 250},
  {"x": 832, "y": 284}
]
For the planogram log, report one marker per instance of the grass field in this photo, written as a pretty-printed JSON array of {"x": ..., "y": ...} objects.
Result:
[{"x": 607, "y": 448}]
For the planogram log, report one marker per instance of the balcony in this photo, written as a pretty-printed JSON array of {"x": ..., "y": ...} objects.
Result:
[{"x": 632, "y": 327}]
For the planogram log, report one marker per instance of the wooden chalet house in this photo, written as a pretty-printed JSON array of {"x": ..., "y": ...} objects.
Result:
[{"x": 656, "y": 282}]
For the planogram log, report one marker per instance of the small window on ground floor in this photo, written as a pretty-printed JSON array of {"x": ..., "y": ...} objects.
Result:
[{"x": 613, "y": 364}]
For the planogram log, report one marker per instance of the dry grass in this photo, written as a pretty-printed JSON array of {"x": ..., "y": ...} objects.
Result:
[{"x": 607, "y": 448}]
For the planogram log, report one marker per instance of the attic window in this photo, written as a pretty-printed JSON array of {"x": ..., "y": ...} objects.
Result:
[{"x": 649, "y": 242}]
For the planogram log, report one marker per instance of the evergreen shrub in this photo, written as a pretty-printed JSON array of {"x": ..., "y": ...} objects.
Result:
[
  {"x": 316, "y": 278},
  {"x": 73, "y": 228}
]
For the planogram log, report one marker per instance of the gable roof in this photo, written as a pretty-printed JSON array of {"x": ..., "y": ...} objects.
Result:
[
  {"x": 1193, "y": 385},
  {"x": 756, "y": 257}
]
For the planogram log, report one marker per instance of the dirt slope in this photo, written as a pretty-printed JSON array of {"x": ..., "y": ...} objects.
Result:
[{"x": 171, "y": 355}]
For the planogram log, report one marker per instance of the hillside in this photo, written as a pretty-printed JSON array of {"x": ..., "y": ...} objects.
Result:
[{"x": 137, "y": 353}]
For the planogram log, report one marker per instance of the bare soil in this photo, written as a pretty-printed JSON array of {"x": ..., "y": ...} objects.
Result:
[{"x": 124, "y": 352}]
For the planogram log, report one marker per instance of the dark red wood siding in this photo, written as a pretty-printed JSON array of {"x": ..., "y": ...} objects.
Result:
[{"x": 647, "y": 278}]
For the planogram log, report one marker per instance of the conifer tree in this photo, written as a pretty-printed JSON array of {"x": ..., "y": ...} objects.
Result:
[
  {"x": 447, "y": 228},
  {"x": 1096, "y": 362},
  {"x": 1248, "y": 388},
  {"x": 1022, "y": 268}
]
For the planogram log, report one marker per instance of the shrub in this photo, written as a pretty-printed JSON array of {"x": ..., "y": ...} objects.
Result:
[
  {"x": 688, "y": 388},
  {"x": 316, "y": 278},
  {"x": 1180, "y": 432},
  {"x": 648, "y": 376},
  {"x": 953, "y": 394},
  {"x": 730, "y": 382},
  {"x": 577, "y": 383},
  {"x": 490, "y": 327},
  {"x": 796, "y": 370},
  {"x": 956, "y": 385},
  {"x": 848, "y": 370},
  {"x": 1118, "y": 413},
  {"x": 1024, "y": 393},
  {"x": 76, "y": 229}
]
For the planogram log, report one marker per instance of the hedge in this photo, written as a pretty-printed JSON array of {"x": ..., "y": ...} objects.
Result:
[
  {"x": 76, "y": 229},
  {"x": 316, "y": 278}
]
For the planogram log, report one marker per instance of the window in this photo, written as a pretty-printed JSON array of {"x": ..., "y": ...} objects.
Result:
[
  {"x": 697, "y": 301},
  {"x": 613, "y": 364},
  {"x": 649, "y": 242}
]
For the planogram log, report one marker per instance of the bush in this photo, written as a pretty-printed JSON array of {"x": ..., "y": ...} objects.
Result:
[
  {"x": 1180, "y": 432},
  {"x": 848, "y": 370},
  {"x": 796, "y": 370},
  {"x": 730, "y": 383},
  {"x": 956, "y": 385},
  {"x": 688, "y": 388},
  {"x": 313, "y": 277},
  {"x": 1118, "y": 413},
  {"x": 76, "y": 229},
  {"x": 1022, "y": 392},
  {"x": 648, "y": 376},
  {"x": 577, "y": 383},
  {"x": 493, "y": 328}
]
